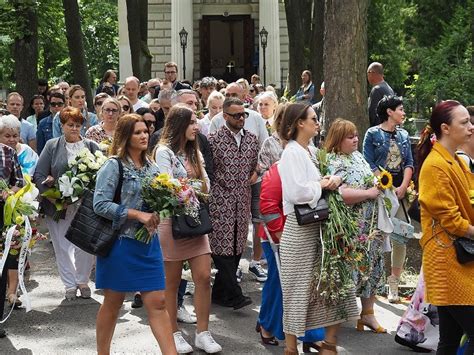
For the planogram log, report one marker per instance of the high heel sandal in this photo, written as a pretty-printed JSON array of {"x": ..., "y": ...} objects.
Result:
[
  {"x": 307, "y": 346},
  {"x": 267, "y": 341},
  {"x": 361, "y": 324}
]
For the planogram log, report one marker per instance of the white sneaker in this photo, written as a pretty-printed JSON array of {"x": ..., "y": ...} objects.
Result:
[
  {"x": 393, "y": 289},
  {"x": 182, "y": 346},
  {"x": 206, "y": 342},
  {"x": 183, "y": 316}
]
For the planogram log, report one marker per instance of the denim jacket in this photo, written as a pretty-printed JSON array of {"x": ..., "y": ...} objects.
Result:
[
  {"x": 44, "y": 132},
  {"x": 377, "y": 144},
  {"x": 106, "y": 184}
]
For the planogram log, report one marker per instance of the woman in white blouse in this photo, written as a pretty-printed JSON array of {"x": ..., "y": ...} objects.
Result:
[{"x": 300, "y": 246}]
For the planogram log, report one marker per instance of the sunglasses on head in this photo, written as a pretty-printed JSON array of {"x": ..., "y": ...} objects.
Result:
[
  {"x": 125, "y": 107},
  {"x": 99, "y": 103}
]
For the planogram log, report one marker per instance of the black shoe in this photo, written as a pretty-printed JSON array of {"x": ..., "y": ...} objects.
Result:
[
  {"x": 3, "y": 333},
  {"x": 412, "y": 346},
  {"x": 137, "y": 301},
  {"x": 222, "y": 303},
  {"x": 242, "y": 302}
]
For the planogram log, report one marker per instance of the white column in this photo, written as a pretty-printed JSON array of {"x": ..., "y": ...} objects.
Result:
[
  {"x": 182, "y": 16},
  {"x": 125, "y": 56},
  {"x": 269, "y": 17}
]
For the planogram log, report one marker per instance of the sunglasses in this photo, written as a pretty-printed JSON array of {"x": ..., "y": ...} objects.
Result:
[
  {"x": 125, "y": 107},
  {"x": 99, "y": 103},
  {"x": 238, "y": 115},
  {"x": 56, "y": 104},
  {"x": 150, "y": 123}
]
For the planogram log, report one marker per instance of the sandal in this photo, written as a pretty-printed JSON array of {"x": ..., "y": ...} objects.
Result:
[
  {"x": 85, "y": 292},
  {"x": 328, "y": 346},
  {"x": 361, "y": 324},
  {"x": 13, "y": 301},
  {"x": 266, "y": 340},
  {"x": 307, "y": 346}
]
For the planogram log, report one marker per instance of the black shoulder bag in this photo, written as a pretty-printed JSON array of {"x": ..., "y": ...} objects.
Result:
[
  {"x": 90, "y": 232},
  {"x": 306, "y": 215}
]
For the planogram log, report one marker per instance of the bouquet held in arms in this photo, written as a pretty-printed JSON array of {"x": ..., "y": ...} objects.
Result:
[
  {"x": 81, "y": 175},
  {"x": 341, "y": 252},
  {"x": 167, "y": 196},
  {"x": 18, "y": 237}
]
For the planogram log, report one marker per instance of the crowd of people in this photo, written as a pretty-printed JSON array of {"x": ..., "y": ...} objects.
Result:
[{"x": 257, "y": 158}]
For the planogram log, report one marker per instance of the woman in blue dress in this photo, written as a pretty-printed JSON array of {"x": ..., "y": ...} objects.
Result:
[{"x": 131, "y": 265}]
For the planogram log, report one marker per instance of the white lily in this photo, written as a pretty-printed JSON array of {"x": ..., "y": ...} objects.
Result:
[{"x": 66, "y": 186}]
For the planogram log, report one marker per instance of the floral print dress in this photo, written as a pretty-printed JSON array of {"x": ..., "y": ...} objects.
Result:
[{"x": 356, "y": 173}]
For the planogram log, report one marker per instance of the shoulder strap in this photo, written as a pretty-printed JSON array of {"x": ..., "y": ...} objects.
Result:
[{"x": 118, "y": 190}]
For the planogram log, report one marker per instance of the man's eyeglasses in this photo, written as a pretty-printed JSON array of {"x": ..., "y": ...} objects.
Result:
[
  {"x": 170, "y": 72},
  {"x": 238, "y": 115},
  {"x": 99, "y": 103},
  {"x": 110, "y": 110},
  {"x": 56, "y": 104},
  {"x": 125, "y": 107},
  {"x": 150, "y": 123}
]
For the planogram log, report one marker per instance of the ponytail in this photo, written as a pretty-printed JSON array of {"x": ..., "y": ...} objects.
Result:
[{"x": 424, "y": 146}]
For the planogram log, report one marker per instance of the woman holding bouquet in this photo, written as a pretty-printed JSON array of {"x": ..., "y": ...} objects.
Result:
[
  {"x": 131, "y": 265},
  {"x": 300, "y": 245},
  {"x": 358, "y": 191},
  {"x": 178, "y": 155},
  {"x": 74, "y": 264},
  {"x": 388, "y": 146}
]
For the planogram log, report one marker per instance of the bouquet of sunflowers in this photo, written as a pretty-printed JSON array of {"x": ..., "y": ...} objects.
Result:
[{"x": 167, "y": 197}]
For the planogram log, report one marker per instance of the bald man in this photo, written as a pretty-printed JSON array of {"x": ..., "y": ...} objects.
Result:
[
  {"x": 131, "y": 88},
  {"x": 380, "y": 88}
]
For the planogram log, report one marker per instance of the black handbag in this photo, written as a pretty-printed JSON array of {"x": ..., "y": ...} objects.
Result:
[
  {"x": 306, "y": 215},
  {"x": 414, "y": 210},
  {"x": 184, "y": 226},
  {"x": 464, "y": 249},
  {"x": 90, "y": 232}
]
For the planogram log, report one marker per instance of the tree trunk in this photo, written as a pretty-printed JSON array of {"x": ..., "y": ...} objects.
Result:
[
  {"x": 472, "y": 36},
  {"x": 345, "y": 62},
  {"x": 25, "y": 52},
  {"x": 296, "y": 17},
  {"x": 75, "y": 45},
  {"x": 137, "y": 21},
  {"x": 317, "y": 46}
]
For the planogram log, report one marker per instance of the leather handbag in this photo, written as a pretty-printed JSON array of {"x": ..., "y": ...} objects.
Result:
[
  {"x": 90, "y": 232},
  {"x": 464, "y": 249},
  {"x": 306, "y": 215},
  {"x": 184, "y": 226}
]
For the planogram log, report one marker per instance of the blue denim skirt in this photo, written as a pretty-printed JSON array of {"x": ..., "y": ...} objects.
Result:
[{"x": 132, "y": 266}]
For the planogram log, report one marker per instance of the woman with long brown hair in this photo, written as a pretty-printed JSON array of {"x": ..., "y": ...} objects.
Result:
[
  {"x": 178, "y": 155},
  {"x": 132, "y": 264},
  {"x": 447, "y": 214}
]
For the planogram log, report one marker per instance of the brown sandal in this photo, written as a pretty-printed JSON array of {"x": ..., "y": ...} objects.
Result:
[
  {"x": 329, "y": 347},
  {"x": 361, "y": 324},
  {"x": 266, "y": 340}
]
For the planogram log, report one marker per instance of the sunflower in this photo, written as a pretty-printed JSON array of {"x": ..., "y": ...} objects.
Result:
[{"x": 385, "y": 180}]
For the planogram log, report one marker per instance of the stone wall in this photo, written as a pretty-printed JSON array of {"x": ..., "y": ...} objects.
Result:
[{"x": 159, "y": 34}]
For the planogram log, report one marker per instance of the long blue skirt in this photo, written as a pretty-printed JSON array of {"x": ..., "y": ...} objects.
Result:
[
  {"x": 132, "y": 266},
  {"x": 271, "y": 309}
]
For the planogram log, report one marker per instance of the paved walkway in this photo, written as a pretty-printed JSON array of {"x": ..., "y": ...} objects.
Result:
[{"x": 57, "y": 326}]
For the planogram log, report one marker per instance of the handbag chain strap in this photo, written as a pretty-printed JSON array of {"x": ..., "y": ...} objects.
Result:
[{"x": 436, "y": 238}]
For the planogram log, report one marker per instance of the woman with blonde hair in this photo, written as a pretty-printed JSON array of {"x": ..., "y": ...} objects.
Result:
[
  {"x": 178, "y": 155},
  {"x": 358, "y": 191},
  {"x": 110, "y": 111}
]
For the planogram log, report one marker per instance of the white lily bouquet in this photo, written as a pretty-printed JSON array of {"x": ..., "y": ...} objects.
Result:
[{"x": 81, "y": 175}]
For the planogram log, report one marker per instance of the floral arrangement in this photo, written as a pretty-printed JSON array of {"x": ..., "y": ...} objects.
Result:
[
  {"x": 341, "y": 251},
  {"x": 411, "y": 193},
  {"x": 18, "y": 237},
  {"x": 167, "y": 196},
  {"x": 81, "y": 175}
]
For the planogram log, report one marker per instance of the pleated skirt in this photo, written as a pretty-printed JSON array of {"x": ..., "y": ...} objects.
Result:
[{"x": 300, "y": 254}]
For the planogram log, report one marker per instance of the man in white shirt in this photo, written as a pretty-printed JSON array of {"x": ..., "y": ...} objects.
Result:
[
  {"x": 254, "y": 124},
  {"x": 131, "y": 88}
]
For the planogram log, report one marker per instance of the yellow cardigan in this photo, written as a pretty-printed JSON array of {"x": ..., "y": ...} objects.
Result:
[{"x": 444, "y": 186}]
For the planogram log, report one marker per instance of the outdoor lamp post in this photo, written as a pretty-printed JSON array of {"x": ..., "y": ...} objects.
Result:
[
  {"x": 263, "y": 43},
  {"x": 183, "y": 38}
]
